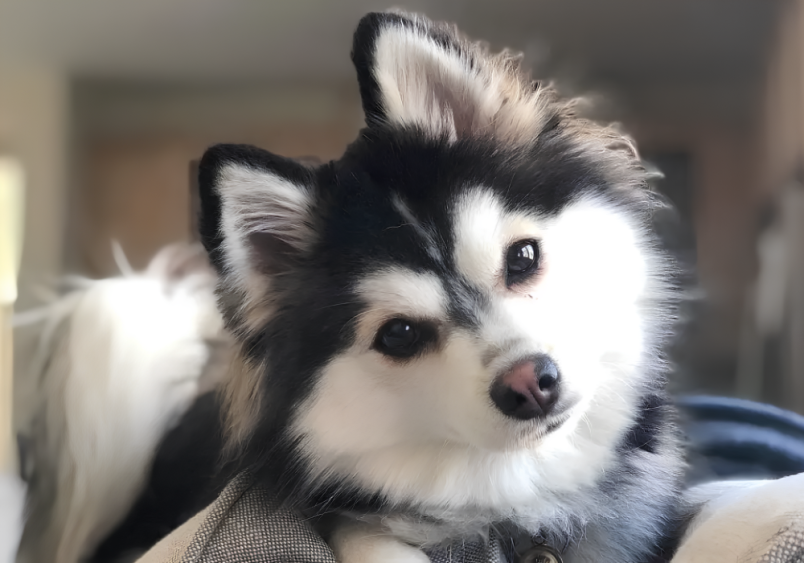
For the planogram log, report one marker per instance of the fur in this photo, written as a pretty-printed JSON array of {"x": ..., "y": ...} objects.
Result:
[
  {"x": 117, "y": 362},
  {"x": 463, "y": 155}
]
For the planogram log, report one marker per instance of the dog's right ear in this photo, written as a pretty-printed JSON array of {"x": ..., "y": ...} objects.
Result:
[
  {"x": 414, "y": 72},
  {"x": 256, "y": 211}
]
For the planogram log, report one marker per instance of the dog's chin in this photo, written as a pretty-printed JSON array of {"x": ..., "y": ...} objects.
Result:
[{"x": 528, "y": 434}]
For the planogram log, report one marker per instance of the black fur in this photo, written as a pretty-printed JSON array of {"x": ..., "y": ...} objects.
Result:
[{"x": 655, "y": 416}]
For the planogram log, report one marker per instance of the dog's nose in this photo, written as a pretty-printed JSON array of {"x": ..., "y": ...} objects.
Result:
[{"x": 527, "y": 390}]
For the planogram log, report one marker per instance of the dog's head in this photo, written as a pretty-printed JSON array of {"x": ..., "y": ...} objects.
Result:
[{"x": 470, "y": 289}]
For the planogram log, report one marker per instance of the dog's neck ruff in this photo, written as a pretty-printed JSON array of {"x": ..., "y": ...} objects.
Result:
[{"x": 543, "y": 490}]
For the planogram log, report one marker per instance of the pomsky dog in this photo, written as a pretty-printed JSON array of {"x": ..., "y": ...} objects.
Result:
[{"x": 460, "y": 324}]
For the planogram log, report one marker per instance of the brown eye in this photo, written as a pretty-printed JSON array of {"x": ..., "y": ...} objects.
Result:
[
  {"x": 401, "y": 338},
  {"x": 521, "y": 260},
  {"x": 399, "y": 334}
]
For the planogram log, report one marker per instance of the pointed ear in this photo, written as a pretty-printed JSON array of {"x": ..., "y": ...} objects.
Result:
[
  {"x": 414, "y": 72},
  {"x": 256, "y": 211}
]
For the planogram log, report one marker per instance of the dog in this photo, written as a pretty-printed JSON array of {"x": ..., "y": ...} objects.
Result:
[{"x": 457, "y": 327}]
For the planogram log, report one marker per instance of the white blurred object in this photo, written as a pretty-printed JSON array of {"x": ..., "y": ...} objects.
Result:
[
  {"x": 12, "y": 489},
  {"x": 12, "y": 182},
  {"x": 117, "y": 362},
  {"x": 772, "y": 279},
  {"x": 12, "y": 501}
]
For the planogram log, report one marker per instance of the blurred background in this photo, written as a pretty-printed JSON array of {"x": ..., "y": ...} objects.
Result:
[{"x": 106, "y": 104}]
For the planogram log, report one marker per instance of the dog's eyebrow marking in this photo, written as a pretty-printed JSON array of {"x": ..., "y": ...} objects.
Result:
[
  {"x": 478, "y": 228},
  {"x": 426, "y": 234},
  {"x": 405, "y": 292}
]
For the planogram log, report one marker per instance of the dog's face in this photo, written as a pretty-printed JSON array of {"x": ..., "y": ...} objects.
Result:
[{"x": 469, "y": 294}]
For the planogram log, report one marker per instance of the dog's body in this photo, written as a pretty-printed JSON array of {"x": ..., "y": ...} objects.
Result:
[
  {"x": 115, "y": 363},
  {"x": 459, "y": 324}
]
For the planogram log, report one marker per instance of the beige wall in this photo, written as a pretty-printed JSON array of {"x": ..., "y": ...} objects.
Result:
[
  {"x": 782, "y": 115},
  {"x": 782, "y": 165},
  {"x": 34, "y": 127},
  {"x": 137, "y": 190},
  {"x": 136, "y": 146},
  {"x": 725, "y": 217}
]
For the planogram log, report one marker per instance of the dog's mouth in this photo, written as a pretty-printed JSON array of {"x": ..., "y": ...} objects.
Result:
[
  {"x": 560, "y": 414},
  {"x": 547, "y": 426},
  {"x": 553, "y": 425}
]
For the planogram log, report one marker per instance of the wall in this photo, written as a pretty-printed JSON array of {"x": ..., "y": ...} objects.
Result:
[
  {"x": 34, "y": 127},
  {"x": 725, "y": 217},
  {"x": 137, "y": 143},
  {"x": 782, "y": 176}
]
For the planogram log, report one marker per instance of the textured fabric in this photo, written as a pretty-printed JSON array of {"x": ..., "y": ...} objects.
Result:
[
  {"x": 746, "y": 522},
  {"x": 736, "y": 522},
  {"x": 172, "y": 548},
  {"x": 470, "y": 553},
  {"x": 245, "y": 525},
  {"x": 788, "y": 547}
]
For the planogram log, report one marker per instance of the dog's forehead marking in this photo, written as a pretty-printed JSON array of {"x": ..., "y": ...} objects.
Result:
[
  {"x": 423, "y": 231},
  {"x": 482, "y": 228},
  {"x": 400, "y": 291}
]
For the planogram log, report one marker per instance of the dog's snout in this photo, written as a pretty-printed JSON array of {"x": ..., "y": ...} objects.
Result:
[{"x": 527, "y": 390}]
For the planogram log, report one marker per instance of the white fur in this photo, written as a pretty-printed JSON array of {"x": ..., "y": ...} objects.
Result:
[
  {"x": 427, "y": 432},
  {"x": 357, "y": 542},
  {"x": 339, "y": 419},
  {"x": 399, "y": 292},
  {"x": 118, "y": 364},
  {"x": 256, "y": 201},
  {"x": 483, "y": 231},
  {"x": 406, "y": 63}
]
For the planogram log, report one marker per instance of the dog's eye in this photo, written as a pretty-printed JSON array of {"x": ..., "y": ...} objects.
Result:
[
  {"x": 521, "y": 260},
  {"x": 399, "y": 338}
]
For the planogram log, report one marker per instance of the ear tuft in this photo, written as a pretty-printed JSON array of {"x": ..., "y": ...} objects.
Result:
[
  {"x": 256, "y": 215},
  {"x": 414, "y": 72}
]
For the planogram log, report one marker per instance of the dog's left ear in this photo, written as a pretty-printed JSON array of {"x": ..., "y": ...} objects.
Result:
[
  {"x": 414, "y": 72},
  {"x": 256, "y": 215}
]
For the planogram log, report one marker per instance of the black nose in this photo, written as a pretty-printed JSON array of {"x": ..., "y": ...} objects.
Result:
[{"x": 527, "y": 390}]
